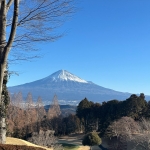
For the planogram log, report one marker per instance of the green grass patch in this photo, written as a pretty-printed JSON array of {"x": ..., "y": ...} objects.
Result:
[{"x": 69, "y": 146}]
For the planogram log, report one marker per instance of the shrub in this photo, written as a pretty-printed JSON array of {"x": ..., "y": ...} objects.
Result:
[{"x": 91, "y": 139}]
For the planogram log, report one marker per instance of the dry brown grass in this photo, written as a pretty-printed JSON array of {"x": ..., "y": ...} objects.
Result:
[
  {"x": 15, "y": 141},
  {"x": 18, "y": 147},
  {"x": 84, "y": 148}
]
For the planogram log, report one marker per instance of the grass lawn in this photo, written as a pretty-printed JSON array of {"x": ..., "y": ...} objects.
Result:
[{"x": 69, "y": 146}]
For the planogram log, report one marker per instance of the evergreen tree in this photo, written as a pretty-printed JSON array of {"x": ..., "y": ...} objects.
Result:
[
  {"x": 109, "y": 111},
  {"x": 84, "y": 111},
  {"x": 72, "y": 124},
  {"x": 135, "y": 106}
]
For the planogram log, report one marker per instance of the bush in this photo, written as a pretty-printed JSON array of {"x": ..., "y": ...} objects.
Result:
[{"x": 91, "y": 139}]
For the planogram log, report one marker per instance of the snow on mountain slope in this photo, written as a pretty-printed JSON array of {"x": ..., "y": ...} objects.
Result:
[
  {"x": 63, "y": 75},
  {"x": 69, "y": 88}
]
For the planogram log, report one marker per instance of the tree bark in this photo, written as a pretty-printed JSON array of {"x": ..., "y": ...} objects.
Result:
[
  {"x": 4, "y": 50},
  {"x": 2, "y": 68},
  {"x": 2, "y": 116},
  {"x": 43, "y": 11}
]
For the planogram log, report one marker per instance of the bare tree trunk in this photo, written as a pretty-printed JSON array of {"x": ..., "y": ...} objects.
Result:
[
  {"x": 31, "y": 20},
  {"x": 2, "y": 107},
  {"x": 2, "y": 68},
  {"x": 3, "y": 130},
  {"x": 4, "y": 50}
]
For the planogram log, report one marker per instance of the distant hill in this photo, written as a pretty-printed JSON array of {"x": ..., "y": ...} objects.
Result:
[
  {"x": 62, "y": 107},
  {"x": 69, "y": 88}
]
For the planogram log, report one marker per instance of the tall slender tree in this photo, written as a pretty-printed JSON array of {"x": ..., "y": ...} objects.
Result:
[
  {"x": 30, "y": 112},
  {"x": 40, "y": 111},
  {"x": 84, "y": 111},
  {"x": 19, "y": 100},
  {"x": 54, "y": 109},
  {"x": 18, "y": 29}
]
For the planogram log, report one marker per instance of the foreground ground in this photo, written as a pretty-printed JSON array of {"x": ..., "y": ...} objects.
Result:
[
  {"x": 15, "y": 141},
  {"x": 71, "y": 140},
  {"x": 76, "y": 139}
]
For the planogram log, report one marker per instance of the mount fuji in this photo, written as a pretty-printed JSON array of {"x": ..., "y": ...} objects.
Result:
[{"x": 69, "y": 88}]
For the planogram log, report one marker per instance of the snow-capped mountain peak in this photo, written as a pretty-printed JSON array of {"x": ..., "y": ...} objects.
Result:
[
  {"x": 69, "y": 88},
  {"x": 63, "y": 75}
]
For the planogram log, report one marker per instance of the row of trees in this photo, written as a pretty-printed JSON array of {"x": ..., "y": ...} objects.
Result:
[
  {"x": 89, "y": 116},
  {"x": 123, "y": 124},
  {"x": 120, "y": 121},
  {"x": 27, "y": 115},
  {"x": 95, "y": 116},
  {"x": 62, "y": 125}
]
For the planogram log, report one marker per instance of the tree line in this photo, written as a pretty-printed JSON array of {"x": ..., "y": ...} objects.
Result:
[
  {"x": 23, "y": 117},
  {"x": 123, "y": 124},
  {"x": 96, "y": 116},
  {"x": 120, "y": 121},
  {"x": 28, "y": 117}
]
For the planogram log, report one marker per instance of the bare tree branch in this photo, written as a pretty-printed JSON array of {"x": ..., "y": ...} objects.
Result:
[
  {"x": 34, "y": 23},
  {"x": 14, "y": 24},
  {"x": 9, "y": 4},
  {"x": 128, "y": 132}
]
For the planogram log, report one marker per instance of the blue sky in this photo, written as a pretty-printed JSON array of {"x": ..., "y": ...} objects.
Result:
[{"x": 106, "y": 42}]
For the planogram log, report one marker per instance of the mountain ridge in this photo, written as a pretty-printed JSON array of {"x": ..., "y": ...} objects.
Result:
[{"x": 69, "y": 88}]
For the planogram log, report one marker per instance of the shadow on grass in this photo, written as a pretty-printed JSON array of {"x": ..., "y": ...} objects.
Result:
[{"x": 69, "y": 146}]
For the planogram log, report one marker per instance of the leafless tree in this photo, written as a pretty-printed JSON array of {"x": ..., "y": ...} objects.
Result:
[
  {"x": 41, "y": 113},
  {"x": 54, "y": 109},
  {"x": 123, "y": 127},
  {"x": 45, "y": 138},
  {"x": 23, "y": 22},
  {"x": 30, "y": 113},
  {"x": 120, "y": 132},
  {"x": 19, "y": 100},
  {"x": 29, "y": 102},
  {"x": 13, "y": 98},
  {"x": 129, "y": 134},
  {"x": 40, "y": 110}
]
